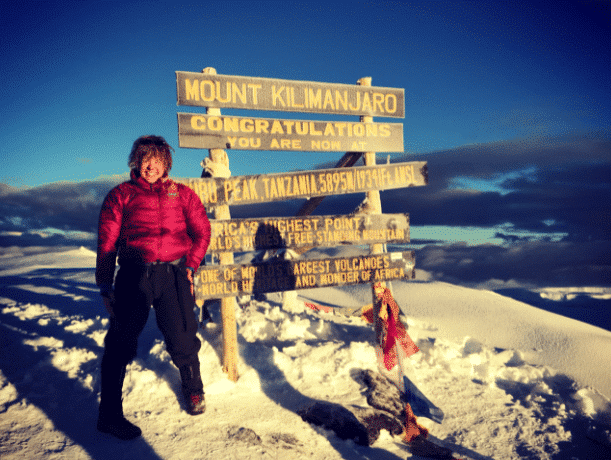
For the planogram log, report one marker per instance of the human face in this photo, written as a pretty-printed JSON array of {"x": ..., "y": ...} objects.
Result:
[{"x": 151, "y": 169}]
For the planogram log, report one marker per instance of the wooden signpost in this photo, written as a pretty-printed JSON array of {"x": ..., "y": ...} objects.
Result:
[
  {"x": 265, "y": 188},
  {"x": 240, "y": 133},
  {"x": 214, "y": 281},
  {"x": 368, "y": 226},
  {"x": 255, "y": 93},
  {"x": 243, "y": 235}
]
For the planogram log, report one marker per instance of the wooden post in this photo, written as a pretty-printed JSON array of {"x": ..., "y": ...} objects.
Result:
[
  {"x": 373, "y": 204},
  {"x": 228, "y": 304}
]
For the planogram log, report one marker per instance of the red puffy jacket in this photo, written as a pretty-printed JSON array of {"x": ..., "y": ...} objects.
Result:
[{"x": 146, "y": 223}]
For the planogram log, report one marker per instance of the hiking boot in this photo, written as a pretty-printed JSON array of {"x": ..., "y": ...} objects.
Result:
[
  {"x": 119, "y": 427},
  {"x": 196, "y": 403},
  {"x": 192, "y": 387}
]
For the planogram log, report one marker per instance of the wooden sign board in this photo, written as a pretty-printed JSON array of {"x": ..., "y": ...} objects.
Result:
[
  {"x": 239, "y": 133},
  {"x": 255, "y": 93},
  {"x": 242, "y": 235},
  {"x": 263, "y": 188},
  {"x": 213, "y": 282}
]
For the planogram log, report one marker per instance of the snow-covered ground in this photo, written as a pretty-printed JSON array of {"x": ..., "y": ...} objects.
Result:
[{"x": 514, "y": 381}]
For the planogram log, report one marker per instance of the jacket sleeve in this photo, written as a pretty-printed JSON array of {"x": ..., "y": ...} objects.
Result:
[
  {"x": 109, "y": 230},
  {"x": 198, "y": 227}
]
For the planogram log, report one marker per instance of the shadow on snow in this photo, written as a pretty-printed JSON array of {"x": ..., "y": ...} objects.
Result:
[{"x": 26, "y": 361}]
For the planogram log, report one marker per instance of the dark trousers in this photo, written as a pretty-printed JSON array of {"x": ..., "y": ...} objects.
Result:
[{"x": 167, "y": 288}]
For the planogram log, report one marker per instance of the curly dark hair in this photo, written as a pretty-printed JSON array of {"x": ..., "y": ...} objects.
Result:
[{"x": 146, "y": 147}]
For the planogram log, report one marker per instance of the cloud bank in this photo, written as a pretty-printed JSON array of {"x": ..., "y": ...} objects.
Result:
[
  {"x": 545, "y": 186},
  {"x": 50, "y": 212}
]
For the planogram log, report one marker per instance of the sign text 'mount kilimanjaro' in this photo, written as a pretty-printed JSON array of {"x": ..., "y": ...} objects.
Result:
[
  {"x": 240, "y": 235},
  {"x": 263, "y": 188},
  {"x": 215, "y": 281},
  {"x": 255, "y": 93},
  {"x": 240, "y": 133}
]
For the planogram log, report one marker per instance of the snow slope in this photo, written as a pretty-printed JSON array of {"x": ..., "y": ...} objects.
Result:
[{"x": 514, "y": 381}]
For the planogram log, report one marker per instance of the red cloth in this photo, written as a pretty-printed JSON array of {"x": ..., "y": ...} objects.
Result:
[
  {"x": 390, "y": 331},
  {"x": 412, "y": 428},
  {"x": 389, "y": 328},
  {"x": 318, "y": 307},
  {"x": 144, "y": 223}
]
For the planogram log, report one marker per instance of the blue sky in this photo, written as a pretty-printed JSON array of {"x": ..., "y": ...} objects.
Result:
[
  {"x": 509, "y": 102},
  {"x": 82, "y": 80}
]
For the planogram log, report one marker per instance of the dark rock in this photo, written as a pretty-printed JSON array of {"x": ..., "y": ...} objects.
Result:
[
  {"x": 285, "y": 440},
  {"x": 422, "y": 447},
  {"x": 337, "y": 418},
  {"x": 360, "y": 424},
  {"x": 244, "y": 434},
  {"x": 382, "y": 394},
  {"x": 375, "y": 421}
]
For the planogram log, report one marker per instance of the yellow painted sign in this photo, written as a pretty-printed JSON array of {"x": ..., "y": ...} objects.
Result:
[
  {"x": 241, "y": 235},
  {"x": 215, "y": 281},
  {"x": 262, "y": 188},
  {"x": 255, "y": 93},
  {"x": 240, "y": 133}
]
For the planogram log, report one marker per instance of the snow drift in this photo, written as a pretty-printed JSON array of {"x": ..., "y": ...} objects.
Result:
[{"x": 514, "y": 381}]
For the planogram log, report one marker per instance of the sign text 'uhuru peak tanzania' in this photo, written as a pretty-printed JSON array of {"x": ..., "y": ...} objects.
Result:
[{"x": 263, "y": 188}]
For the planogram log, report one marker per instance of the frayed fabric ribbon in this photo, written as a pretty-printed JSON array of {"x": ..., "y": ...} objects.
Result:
[{"x": 389, "y": 328}]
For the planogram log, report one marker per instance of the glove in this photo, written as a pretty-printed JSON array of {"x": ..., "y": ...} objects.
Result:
[{"x": 190, "y": 271}]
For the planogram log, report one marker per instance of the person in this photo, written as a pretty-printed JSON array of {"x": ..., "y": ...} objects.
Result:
[{"x": 160, "y": 232}]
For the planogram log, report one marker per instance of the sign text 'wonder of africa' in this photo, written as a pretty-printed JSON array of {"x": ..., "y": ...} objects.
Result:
[{"x": 215, "y": 281}]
